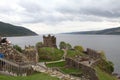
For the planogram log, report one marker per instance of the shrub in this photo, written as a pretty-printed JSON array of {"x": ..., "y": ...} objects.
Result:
[
  {"x": 107, "y": 66},
  {"x": 18, "y": 48},
  {"x": 79, "y": 48},
  {"x": 64, "y": 45},
  {"x": 39, "y": 45}
]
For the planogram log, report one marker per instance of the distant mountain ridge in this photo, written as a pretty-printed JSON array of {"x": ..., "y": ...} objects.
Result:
[
  {"x": 110, "y": 31},
  {"x": 7, "y": 29}
]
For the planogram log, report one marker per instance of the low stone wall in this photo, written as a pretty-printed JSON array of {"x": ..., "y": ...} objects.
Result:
[{"x": 71, "y": 63}]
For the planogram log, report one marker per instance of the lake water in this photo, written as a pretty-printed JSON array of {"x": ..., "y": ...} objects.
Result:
[{"x": 108, "y": 43}]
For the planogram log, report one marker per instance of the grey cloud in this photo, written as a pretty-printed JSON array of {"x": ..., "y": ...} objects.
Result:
[
  {"x": 35, "y": 13},
  {"x": 102, "y": 9},
  {"x": 71, "y": 10},
  {"x": 6, "y": 10},
  {"x": 101, "y": 13},
  {"x": 30, "y": 6}
]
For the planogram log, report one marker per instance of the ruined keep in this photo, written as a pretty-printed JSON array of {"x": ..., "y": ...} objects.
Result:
[{"x": 49, "y": 41}]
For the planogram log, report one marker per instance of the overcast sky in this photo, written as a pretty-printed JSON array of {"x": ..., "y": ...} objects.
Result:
[{"x": 57, "y": 16}]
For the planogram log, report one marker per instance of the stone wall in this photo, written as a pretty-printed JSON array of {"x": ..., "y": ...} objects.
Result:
[
  {"x": 31, "y": 53},
  {"x": 93, "y": 54},
  {"x": 89, "y": 71}
]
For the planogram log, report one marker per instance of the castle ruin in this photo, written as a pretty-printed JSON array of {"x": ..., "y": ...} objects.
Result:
[{"x": 49, "y": 41}]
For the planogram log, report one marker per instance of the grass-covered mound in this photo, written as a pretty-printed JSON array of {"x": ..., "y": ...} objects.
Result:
[
  {"x": 50, "y": 54},
  {"x": 106, "y": 66},
  {"x": 73, "y": 53},
  {"x": 102, "y": 75},
  {"x": 37, "y": 76}
]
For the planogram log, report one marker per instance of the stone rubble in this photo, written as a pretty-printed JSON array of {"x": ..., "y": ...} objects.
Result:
[{"x": 55, "y": 73}]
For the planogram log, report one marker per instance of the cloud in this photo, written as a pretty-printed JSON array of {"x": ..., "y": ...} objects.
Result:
[
  {"x": 102, "y": 8},
  {"x": 56, "y": 13},
  {"x": 52, "y": 12}
]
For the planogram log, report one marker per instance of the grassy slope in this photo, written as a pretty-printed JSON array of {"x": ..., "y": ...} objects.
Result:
[
  {"x": 73, "y": 53},
  {"x": 50, "y": 54},
  {"x": 104, "y": 76},
  {"x": 37, "y": 76}
]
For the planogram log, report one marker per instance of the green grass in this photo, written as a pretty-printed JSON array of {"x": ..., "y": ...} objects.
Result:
[
  {"x": 67, "y": 70},
  {"x": 37, "y": 76},
  {"x": 50, "y": 54},
  {"x": 58, "y": 64},
  {"x": 103, "y": 75},
  {"x": 73, "y": 53},
  {"x": 105, "y": 65}
]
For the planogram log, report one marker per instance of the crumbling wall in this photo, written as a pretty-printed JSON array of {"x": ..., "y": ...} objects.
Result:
[
  {"x": 31, "y": 53},
  {"x": 93, "y": 54}
]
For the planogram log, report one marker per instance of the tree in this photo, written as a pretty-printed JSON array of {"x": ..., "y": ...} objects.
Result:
[
  {"x": 18, "y": 48},
  {"x": 79, "y": 48},
  {"x": 62, "y": 45},
  {"x": 68, "y": 46},
  {"x": 107, "y": 66},
  {"x": 110, "y": 66},
  {"x": 39, "y": 45}
]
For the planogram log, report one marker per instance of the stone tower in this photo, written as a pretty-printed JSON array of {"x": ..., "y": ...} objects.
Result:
[{"x": 49, "y": 41}]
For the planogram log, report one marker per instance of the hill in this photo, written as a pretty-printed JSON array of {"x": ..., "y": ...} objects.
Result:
[
  {"x": 11, "y": 30},
  {"x": 110, "y": 31}
]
